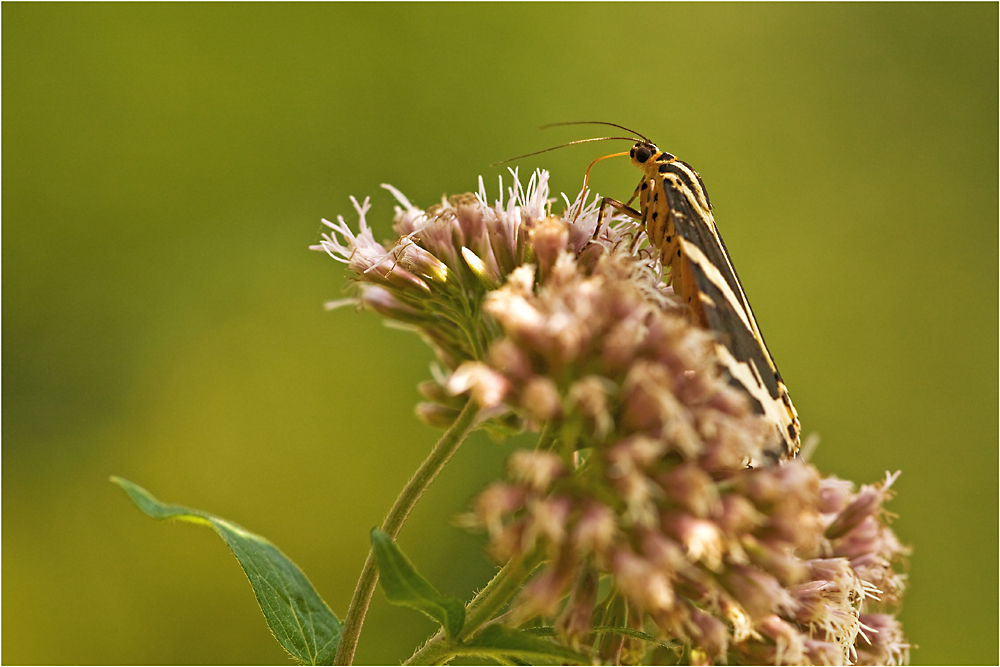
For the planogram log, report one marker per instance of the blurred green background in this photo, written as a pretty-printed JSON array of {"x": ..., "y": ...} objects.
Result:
[{"x": 166, "y": 166}]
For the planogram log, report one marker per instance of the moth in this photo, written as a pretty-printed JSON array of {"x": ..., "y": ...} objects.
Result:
[{"x": 676, "y": 214}]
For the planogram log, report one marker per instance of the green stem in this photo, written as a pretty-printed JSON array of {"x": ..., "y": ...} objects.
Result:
[
  {"x": 479, "y": 611},
  {"x": 408, "y": 497},
  {"x": 547, "y": 438},
  {"x": 498, "y": 593}
]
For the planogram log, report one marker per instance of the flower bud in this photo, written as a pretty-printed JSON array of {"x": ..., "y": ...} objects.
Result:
[
  {"x": 651, "y": 406},
  {"x": 474, "y": 219},
  {"x": 409, "y": 218},
  {"x": 497, "y": 501},
  {"x": 541, "y": 595},
  {"x": 778, "y": 559},
  {"x": 827, "y": 653},
  {"x": 435, "y": 414},
  {"x": 692, "y": 488},
  {"x": 589, "y": 396},
  {"x": 886, "y": 644},
  {"x": 417, "y": 260},
  {"x": 740, "y": 619},
  {"x": 738, "y": 515},
  {"x": 702, "y": 540},
  {"x": 866, "y": 504},
  {"x": 511, "y": 541},
  {"x": 641, "y": 582},
  {"x": 433, "y": 390},
  {"x": 710, "y": 634},
  {"x": 486, "y": 275},
  {"x": 487, "y": 387},
  {"x": 535, "y": 468},
  {"x": 516, "y": 314},
  {"x": 788, "y": 642},
  {"x": 506, "y": 357},
  {"x": 759, "y": 593},
  {"x": 540, "y": 399},
  {"x": 663, "y": 552},
  {"x": 549, "y": 238},
  {"x": 835, "y": 494},
  {"x": 550, "y": 518},
  {"x": 863, "y": 539},
  {"x": 590, "y": 255},
  {"x": 596, "y": 529},
  {"x": 521, "y": 280}
]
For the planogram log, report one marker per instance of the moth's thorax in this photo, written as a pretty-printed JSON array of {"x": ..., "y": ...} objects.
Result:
[{"x": 653, "y": 204}]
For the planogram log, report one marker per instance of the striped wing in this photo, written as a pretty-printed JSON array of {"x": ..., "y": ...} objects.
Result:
[{"x": 727, "y": 311}]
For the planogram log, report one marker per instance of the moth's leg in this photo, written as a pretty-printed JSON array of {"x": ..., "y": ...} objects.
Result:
[
  {"x": 635, "y": 193},
  {"x": 625, "y": 208},
  {"x": 642, "y": 222},
  {"x": 618, "y": 206}
]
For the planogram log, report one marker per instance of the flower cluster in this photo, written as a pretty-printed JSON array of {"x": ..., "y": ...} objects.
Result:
[
  {"x": 655, "y": 533},
  {"x": 435, "y": 276},
  {"x": 644, "y": 479}
]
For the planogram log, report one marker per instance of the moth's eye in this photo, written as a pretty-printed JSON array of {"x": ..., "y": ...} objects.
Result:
[
  {"x": 632, "y": 152},
  {"x": 641, "y": 154}
]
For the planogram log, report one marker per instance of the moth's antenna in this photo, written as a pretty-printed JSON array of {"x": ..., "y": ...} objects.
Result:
[
  {"x": 578, "y": 141},
  {"x": 595, "y": 122}
]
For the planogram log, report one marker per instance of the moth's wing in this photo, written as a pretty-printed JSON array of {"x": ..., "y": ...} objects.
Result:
[{"x": 728, "y": 312}]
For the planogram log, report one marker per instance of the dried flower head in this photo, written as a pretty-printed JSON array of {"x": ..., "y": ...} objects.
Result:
[{"x": 639, "y": 493}]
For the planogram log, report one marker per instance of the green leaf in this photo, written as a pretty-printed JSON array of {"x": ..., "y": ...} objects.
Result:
[
  {"x": 299, "y": 619},
  {"x": 496, "y": 641},
  {"x": 404, "y": 586}
]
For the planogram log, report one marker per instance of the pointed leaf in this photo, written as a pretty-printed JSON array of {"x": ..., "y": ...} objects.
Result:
[
  {"x": 299, "y": 619},
  {"x": 496, "y": 641},
  {"x": 404, "y": 586}
]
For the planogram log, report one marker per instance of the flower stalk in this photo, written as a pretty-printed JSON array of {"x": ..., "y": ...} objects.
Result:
[
  {"x": 480, "y": 611},
  {"x": 408, "y": 497}
]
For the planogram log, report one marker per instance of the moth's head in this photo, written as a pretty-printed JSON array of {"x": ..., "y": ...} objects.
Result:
[{"x": 642, "y": 152}]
